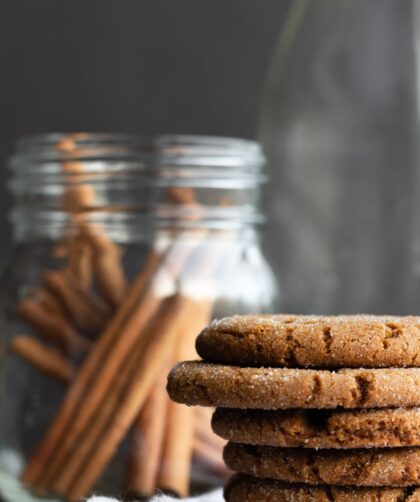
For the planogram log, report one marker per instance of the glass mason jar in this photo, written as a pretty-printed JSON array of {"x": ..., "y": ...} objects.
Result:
[
  {"x": 125, "y": 250},
  {"x": 340, "y": 127}
]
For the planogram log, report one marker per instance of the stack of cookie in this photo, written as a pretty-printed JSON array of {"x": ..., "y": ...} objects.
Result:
[{"x": 314, "y": 408}]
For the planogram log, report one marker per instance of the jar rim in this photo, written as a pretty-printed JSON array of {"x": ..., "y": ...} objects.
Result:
[
  {"x": 128, "y": 177},
  {"x": 127, "y": 226},
  {"x": 33, "y": 151}
]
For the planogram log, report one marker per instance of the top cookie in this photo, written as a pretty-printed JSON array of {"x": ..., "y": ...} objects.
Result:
[{"x": 291, "y": 341}]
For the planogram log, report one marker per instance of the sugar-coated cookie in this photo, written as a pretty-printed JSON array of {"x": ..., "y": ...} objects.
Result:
[
  {"x": 386, "y": 427},
  {"x": 243, "y": 488},
  {"x": 312, "y": 341},
  {"x": 369, "y": 467},
  {"x": 207, "y": 384}
]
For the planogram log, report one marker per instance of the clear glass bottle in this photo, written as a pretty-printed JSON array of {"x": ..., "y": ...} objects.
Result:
[
  {"x": 124, "y": 249},
  {"x": 340, "y": 129}
]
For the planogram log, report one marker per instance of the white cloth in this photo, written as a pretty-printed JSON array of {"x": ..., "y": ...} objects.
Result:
[{"x": 216, "y": 496}]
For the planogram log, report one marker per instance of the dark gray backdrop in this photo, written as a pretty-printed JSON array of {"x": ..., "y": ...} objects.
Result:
[{"x": 148, "y": 66}]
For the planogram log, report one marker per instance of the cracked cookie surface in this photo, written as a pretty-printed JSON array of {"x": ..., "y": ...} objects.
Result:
[
  {"x": 207, "y": 384},
  {"x": 320, "y": 428},
  {"x": 243, "y": 488},
  {"x": 312, "y": 341},
  {"x": 374, "y": 467}
]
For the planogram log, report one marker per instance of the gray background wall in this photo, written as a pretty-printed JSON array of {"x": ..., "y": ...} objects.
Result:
[{"x": 185, "y": 66}]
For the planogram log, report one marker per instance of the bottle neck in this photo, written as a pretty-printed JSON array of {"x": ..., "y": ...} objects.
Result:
[{"x": 129, "y": 187}]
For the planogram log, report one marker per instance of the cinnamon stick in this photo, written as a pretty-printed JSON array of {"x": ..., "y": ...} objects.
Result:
[
  {"x": 182, "y": 195},
  {"x": 175, "y": 465},
  {"x": 87, "y": 313},
  {"x": 45, "y": 359},
  {"x": 143, "y": 465},
  {"x": 146, "y": 446},
  {"x": 96, "y": 374},
  {"x": 61, "y": 249},
  {"x": 133, "y": 335},
  {"x": 79, "y": 197},
  {"x": 53, "y": 328},
  {"x": 48, "y": 300},
  {"x": 107, "y": 265},
  {"x": 80, "y": 262},
  {"x": 146, "y": 443},
  {"x": 148, "y": 430},
  {"x": 148, "y": 361},
  {"x": 101, "y": 458},
  {"x": 110, "y": 275},
  {"x": 174, "y": 473}
]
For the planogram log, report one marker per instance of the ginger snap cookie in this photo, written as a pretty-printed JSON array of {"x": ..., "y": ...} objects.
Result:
[
  {"x": 243, "y": 488},
  {"x": 320, "y": 428},
  {"x": 312, "y": 341},
  {"x": 372, "y": 467},
  {"x": 207, "y": 384}
]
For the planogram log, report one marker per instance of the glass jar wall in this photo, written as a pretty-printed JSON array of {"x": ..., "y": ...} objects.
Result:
[
  {"x": 340, "y": 127},
  {"x": 124, "y": 250}
]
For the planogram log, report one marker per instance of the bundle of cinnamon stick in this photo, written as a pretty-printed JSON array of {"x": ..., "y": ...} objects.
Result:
[{"x": 112, "y": 342}]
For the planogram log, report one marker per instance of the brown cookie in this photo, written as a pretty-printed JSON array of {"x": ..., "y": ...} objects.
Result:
[
  {"x": 373, "y": 467},
  {"x": 320, "y": 428},
  {"x": 242, "y": 488},
  {"x": 312, "y": 341},
  {"x": 206, "y": 384}
]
